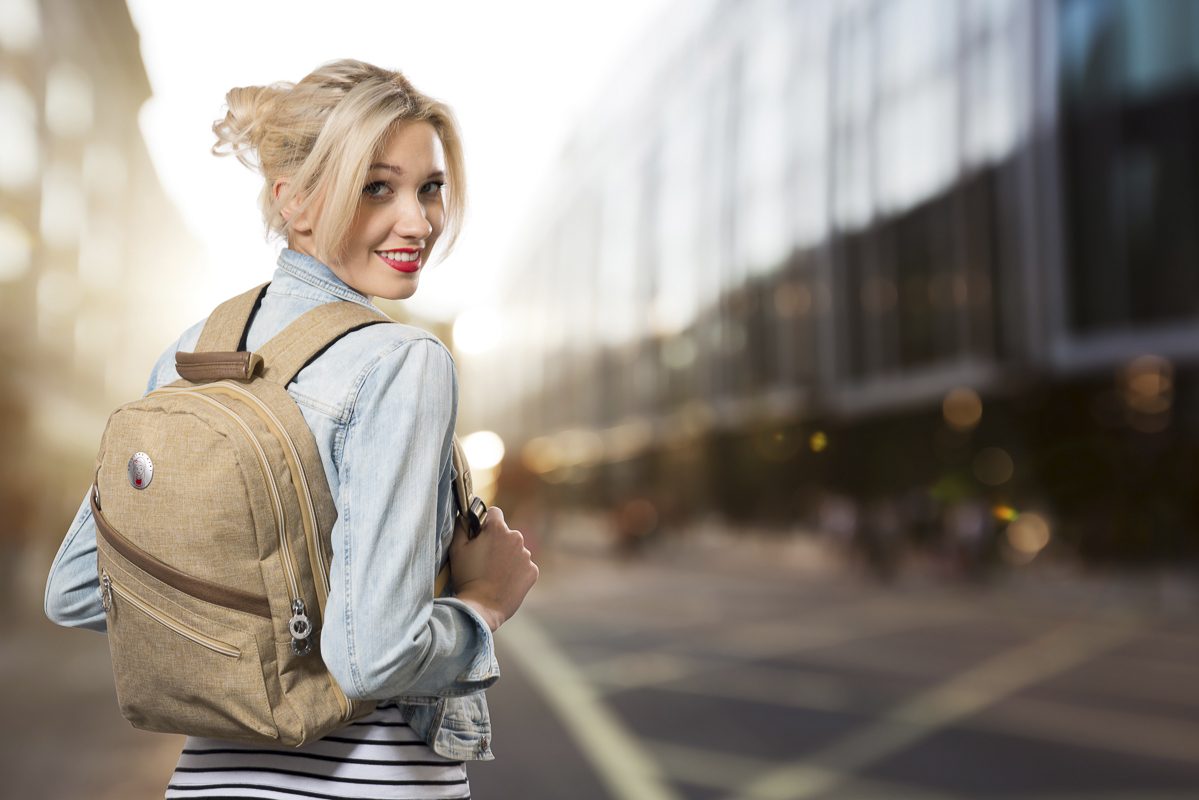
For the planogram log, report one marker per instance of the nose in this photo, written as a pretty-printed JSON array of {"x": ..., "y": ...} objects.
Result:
[{"x": 411, "y": 220}]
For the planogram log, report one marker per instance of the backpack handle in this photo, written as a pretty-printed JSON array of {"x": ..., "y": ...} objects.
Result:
[{"x": 201, "y": 367}]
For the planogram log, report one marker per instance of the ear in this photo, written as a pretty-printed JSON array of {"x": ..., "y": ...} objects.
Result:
[{"x": 299, "y": 220}]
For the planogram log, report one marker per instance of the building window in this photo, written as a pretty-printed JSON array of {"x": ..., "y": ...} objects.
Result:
[
  {"x": 16, "y": 249},
  {"x": 64, "y": 206},
  {"x": 18, "y": 131},
  {"x": 1129, "y": 120},
  {"x": 20, "y": 25},
  {"x": 68, "y": 100}
]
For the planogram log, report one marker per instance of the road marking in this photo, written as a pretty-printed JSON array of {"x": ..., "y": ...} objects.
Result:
[
  {"x": 768, "y": 685},
  {"x": 617, "y": 758},
  {"x": 702, "y": 767},
  {"x": 646, "y": 668},
  {"x": 731, "y": 772},
  {"x": 1125, "y": 732},
  {"x": 1097, "y": 728},
  {"x": 938, "y": 708}
]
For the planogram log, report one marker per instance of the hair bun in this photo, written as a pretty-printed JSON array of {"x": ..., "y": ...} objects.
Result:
[{"x": 249, "y": 110}]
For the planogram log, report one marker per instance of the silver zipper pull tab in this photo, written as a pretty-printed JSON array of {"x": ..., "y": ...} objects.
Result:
[
  {"x": 300, "y": 627},
  {"x": 105, "y": 591}
]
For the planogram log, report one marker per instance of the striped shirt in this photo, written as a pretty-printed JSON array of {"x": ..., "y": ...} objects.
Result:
[{"x": 376, "y": 758}]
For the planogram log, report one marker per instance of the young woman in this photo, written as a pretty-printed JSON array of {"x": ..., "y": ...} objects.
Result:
[{"x": 362, "y": 175}]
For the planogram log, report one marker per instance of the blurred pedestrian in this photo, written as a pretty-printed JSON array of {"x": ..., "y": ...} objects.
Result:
[
  {"x": 969, "y": 533},
  {"x": 881, "y": 538}
]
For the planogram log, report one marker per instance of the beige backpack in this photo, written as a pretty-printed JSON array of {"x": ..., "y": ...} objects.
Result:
[{"x": 213, "y": 517}]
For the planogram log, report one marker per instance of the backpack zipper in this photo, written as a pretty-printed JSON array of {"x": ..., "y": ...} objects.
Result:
[
  {"x": 320, "y": 568},
  {"x": 199, "y": 588},
  {"x": 307, "y": 507},
  {"x": 299, "y": 625},
  {"x": 109, "y": 587}
]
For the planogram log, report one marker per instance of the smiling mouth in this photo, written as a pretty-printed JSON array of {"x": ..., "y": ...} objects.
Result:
[{"x": 401, "y": 260}]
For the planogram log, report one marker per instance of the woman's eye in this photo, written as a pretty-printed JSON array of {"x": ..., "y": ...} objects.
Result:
[
  {"x": 433, "y": 186},
  {"x": 376, "y": 188}
]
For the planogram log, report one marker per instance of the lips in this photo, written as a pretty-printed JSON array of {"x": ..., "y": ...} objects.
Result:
[{"x": 401, "y": 266}]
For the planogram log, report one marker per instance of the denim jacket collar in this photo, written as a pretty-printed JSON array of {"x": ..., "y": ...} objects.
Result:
[{"x": 315, "y": 274}]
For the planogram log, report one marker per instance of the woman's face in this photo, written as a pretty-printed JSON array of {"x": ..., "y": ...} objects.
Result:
[{"x": 400, "y": 215}]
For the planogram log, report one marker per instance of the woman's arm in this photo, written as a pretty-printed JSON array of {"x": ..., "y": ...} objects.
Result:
[
  {"x": 385, "y": 634},
  {"x": 73, "y": 588}
]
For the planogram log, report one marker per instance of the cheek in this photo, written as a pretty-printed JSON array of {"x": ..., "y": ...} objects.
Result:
[{"x": 436, "y": 216}]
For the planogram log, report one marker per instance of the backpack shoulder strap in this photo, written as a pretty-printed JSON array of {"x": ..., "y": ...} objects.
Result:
[
  {"x": 310, "y": 333},
  {"x": 227, "y": 323},
  {"x": 218, "y": 351}
]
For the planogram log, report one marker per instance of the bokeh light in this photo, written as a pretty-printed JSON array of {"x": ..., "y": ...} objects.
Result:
[
  {"x": 1147, "y": 384},
  {"x": 993, "y": 466},
  {"x": 477, "y": 331},
  {"x": 1004, "y": 513},
  {"x": 484, "y": 449},
  {"x": 962, "y": 408},
  {"x": 1027, "y": 535}
]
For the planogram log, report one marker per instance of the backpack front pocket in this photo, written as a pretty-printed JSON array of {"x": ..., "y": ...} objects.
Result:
[
  {"x": 110, "y": 587},
  {"x": 182, "y": 665}
]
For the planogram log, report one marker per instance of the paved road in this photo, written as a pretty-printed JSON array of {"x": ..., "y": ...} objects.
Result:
[
  {"x": 754, "y": 673},
  {"x": 708, "y": 673}
]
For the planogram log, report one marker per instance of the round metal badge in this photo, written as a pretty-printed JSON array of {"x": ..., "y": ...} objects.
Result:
[{"x": 141, "y": 470}]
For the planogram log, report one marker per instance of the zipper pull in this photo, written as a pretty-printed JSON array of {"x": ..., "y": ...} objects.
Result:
[
  {"x": 105, "y": 591},
  {"x": 300, "y": 627}
]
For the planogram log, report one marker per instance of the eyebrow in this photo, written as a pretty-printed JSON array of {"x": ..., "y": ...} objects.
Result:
[{"x": 400, "y": 170}]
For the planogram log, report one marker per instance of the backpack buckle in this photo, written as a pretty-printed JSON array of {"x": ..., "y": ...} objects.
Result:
[{"x": 476, "y": 517}]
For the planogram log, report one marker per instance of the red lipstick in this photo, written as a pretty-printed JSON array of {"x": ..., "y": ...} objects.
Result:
[{"x": 401, "y": 266}]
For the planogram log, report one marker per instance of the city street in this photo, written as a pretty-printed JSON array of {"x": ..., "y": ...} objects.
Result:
[
  {"x": 775, "y": 675},
  {"x": 837, "y": 361},
  {"x": 764, "y": 671}
]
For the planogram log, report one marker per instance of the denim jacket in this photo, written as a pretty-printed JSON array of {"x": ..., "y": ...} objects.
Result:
[{"x": 382, "y": 403}]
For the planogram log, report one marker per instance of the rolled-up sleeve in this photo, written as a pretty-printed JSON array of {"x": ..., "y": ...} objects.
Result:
[{"x": 385, "y": 634}]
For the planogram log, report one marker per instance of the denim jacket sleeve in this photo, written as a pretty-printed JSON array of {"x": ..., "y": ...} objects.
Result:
[{"x": 385, "y": 634}]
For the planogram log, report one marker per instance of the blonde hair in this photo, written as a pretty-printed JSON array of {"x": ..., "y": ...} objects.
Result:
[{"x": 322, "y": 134}]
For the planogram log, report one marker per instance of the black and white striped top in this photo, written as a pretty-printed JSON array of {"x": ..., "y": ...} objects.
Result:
[{"x": 377, "y": 758}]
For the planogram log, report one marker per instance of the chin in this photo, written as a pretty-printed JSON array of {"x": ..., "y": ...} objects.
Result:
[{"x": 401, "y": 294}]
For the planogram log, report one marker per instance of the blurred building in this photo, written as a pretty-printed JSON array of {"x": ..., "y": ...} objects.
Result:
[
  {"x": 95, "y": 263},
  {"x": 888, "y": 248}
]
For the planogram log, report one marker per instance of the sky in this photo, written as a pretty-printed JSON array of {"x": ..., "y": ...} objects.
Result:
[{"x": 517, "y": 74}]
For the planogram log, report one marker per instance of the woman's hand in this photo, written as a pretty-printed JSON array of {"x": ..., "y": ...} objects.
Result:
[{"x": 493, "y": 572}]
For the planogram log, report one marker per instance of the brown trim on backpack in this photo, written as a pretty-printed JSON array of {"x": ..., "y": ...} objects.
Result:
[
  {"x": 199, "y": 588},
  {"x": 215, "y": 366}
]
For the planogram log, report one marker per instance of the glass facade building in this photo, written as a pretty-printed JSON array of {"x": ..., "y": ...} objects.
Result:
[{"x": 803, "y": 210}]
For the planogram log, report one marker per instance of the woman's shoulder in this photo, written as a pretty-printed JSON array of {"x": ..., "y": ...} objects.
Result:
[
  {"x": 372, "y": 346},
  {"x": 335, "y": 376},
  {"x": 388, "y": 360}
]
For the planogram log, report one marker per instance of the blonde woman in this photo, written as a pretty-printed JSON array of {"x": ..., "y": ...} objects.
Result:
[{"x": 363, "y": 175}]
